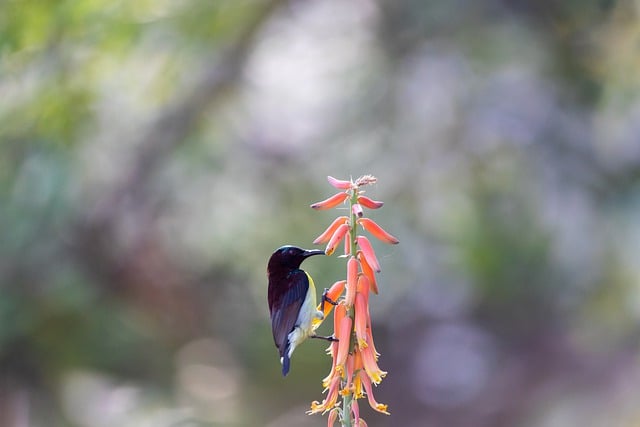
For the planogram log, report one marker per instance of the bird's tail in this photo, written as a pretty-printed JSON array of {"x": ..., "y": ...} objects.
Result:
[{"x": 285, "y": 361}]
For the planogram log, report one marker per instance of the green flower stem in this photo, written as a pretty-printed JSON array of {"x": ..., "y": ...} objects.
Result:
[{"x": 348, "y": 399}]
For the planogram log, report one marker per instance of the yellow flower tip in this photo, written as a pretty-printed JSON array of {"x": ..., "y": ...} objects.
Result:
[
  {"x": 316, "y": 407},
  {"x": 331, "y": 202},
  {"x": 382, "y": 408},
  {"x": 345, "y": 392},
  {"x": 362, "y": 344},
  {"x": 377, "y": 231},
  {"x": 340, "y": 184}
]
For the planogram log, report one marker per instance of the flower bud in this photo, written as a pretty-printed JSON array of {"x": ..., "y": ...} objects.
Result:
[
  {"x": 340, "y": 184},
  {"x": 331, "y": 202},
  {"x": 377, "y": 231},
  {"x": 369, "y": 203}
]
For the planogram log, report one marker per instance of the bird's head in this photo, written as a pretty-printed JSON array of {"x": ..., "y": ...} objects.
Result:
[{"x": 290, "y": 257}]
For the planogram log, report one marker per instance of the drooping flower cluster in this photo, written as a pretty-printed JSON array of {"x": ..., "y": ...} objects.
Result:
[{"x": 354, "y": 367}]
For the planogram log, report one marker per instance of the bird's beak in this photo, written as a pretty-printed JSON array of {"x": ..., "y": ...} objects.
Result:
[{"x": 312, "y": 252}]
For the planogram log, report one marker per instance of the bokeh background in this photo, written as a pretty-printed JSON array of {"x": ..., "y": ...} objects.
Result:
[{"x": 154, "y": 153}]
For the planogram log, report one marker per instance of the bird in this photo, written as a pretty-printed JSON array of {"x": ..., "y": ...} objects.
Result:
[{"x": 292, "y": 301}]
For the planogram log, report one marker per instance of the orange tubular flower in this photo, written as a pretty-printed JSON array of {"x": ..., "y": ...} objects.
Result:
[
  {"x": 352, "y": 278},
  {"x": 340, "y": 184},
  {"x": 347, "y": 386},
  {"x": 343, "y": 343},
  {"x": 371, "y": 366},
  {"x": 326, "y": 235},
  {"x": 338, "y": 235},
  {"x": 377, "y": 231},
  {"x": 368, "y": 203},
  {"x": 357, "y": 382},
  {"x": 372, "y": 345},
  {"x": 366, "y": 382},
  {"x": 333, "y": 417},
  {"x": 368, "y": 271},
  {"x": 347, "y": 244},
  {"x": 361, "y": 321},
  {"x": 330, "y": 401},
  {"x": 333, "y": 351},
  {"x": 333, "y": 294},
  {"x": 338, "y": 315},
  {"x": 331, "y": 202},
  {"x": 356, "y": 412},
  {"x": 368, "y": 253}
]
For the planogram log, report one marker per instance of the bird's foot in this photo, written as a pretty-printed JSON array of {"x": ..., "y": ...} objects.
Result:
[
  {"x": 325, "y": 298},
  {"x": 330, "y": 338}
]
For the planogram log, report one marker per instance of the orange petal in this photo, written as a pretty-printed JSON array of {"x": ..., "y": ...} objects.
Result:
[
  {"x": 368, "y": 271},
  {"x": 357, "y": 210},
  {"x": 333, "y": 350},
  {"x": 368, "y": 203},
  {"x": 352, "y": 278},
  {"x": 326, "y": 235},
  {"x": 336, "y": 238},
  {"x": 368, "y": 253},
  {"x": 377, "y": 231},
  {"x": 339, "y": 183},
  {"x": 331, "y": 202}
]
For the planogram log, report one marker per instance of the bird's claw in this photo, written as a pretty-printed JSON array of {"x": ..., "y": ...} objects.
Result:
[
  {"x": 325, "y": 298},
  {"x": 330, "y": 338}
]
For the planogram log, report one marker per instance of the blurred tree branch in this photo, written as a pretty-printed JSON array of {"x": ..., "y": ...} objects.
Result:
[
  {"x": 145, "y": 270},
  {"x": 173, "y": 124}
]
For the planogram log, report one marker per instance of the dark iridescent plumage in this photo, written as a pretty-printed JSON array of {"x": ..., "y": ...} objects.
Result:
[{"x": 289, "y": 287}]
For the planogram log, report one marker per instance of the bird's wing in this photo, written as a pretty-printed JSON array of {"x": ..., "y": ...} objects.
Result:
[{"x": 285, "y": 309}]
